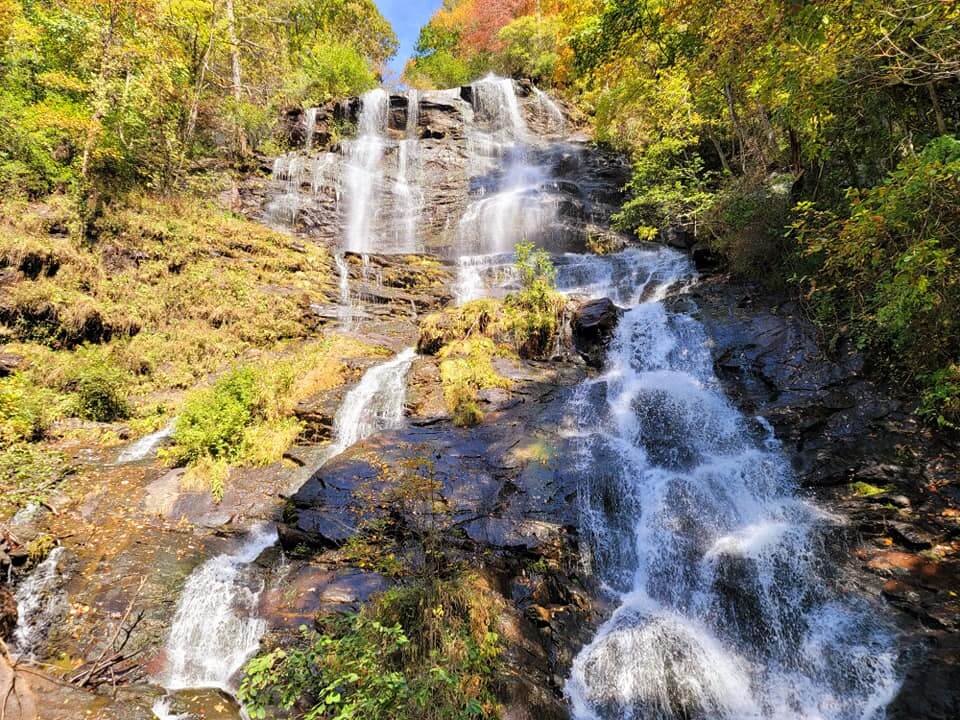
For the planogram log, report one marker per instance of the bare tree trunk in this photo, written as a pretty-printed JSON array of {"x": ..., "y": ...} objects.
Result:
[
  {"x": 938, "y": 113},
  {"x": 235, "y": 67},
  {"x": 735, "y": 121}
]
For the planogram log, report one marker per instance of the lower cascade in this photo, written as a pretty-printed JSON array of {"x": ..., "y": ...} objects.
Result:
[
  {"x": 727, "y": 606},
  {"x": 216, "y": 627}
]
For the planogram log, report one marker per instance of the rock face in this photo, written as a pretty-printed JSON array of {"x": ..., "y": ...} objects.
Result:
[
  {"x": 433, "y": 165},
  {"x": 861, "y": 452},
  {"x": 509, "y": 512},
  {"x": 592, "y": 326},
  {"x": 8, "y": 613}
]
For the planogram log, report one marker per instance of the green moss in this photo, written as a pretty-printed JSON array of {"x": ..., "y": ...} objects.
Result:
[{"x": 862, "y": 489}]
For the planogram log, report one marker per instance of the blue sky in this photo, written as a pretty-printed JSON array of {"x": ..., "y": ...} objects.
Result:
[{"x": 407, "y": 17}]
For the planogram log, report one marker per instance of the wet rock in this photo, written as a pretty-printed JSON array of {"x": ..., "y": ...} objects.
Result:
[
  {"x": 8, "y": 613},
  {"x": 677, "y": 237},
  {"x": 930, "y": 687},
  {"x": 310, "y": 590},
  {"x": 594, "y": 323}
]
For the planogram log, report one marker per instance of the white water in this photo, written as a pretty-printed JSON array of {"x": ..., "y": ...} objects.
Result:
[
  {"x": 310, "y": 118},
  {"x": 727, "y": 604},
  {"x": 216, "y": 627},
  {"x": 161, "y": 710},
  {"x": 364, "y": 172},
  {"x": 147, "y": 445},
  {"x": 375, "y": 404},
  {"x": 41, "y": 602}
]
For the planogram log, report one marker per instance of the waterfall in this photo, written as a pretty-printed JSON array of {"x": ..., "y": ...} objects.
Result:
[
  {"x": 41, "y": 603},
  {"x": 557, "y": 122},
  {"x": 147, "y": 445},
  {"x": 345, "y": 309},
  {"x": 311, "y": 122},
  {"x": 364, "y": 172},
  {"x": 375, "y": 404},
  {"x": 216, "y": 627},
  {"x": 727, "y": 605},
  {"x": 513, "y": 207}
]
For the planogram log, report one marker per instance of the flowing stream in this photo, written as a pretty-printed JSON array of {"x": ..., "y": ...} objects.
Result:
[
  {"x": 216, "y": 626},
  {"x": 728, "y": 606}
]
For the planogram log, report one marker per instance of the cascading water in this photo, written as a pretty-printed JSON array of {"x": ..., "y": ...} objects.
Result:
[
  {"x": 364, "y": 172},
  {"x": 375, "y": 404},
  {"x": 41, "y": 603},
  {"x": 727, "y": 606},
  {"x": 406, "y": 188},
  {"x": 310, "y": 119},
  {"x": 147, "y": 445},
  {"x": 216, "y": 627},
  {"x": 510, "y": 205}
]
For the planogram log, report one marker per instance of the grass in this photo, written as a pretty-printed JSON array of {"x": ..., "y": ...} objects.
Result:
[{"x": 246, "y": 417}]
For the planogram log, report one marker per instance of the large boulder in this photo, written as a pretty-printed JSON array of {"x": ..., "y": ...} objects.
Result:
[{"x": 594, "y": 323}]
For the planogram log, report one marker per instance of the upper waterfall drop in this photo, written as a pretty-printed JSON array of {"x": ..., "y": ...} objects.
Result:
[{"x": 364, "y": 172}]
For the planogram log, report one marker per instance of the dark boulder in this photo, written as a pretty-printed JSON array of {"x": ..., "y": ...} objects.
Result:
[
  {"x": 593, "y": 325},
  {"x": 10, "y": 363},
  {"x": 678, "y": 237}
]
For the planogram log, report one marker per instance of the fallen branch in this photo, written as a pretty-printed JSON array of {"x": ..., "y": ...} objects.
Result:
[{"x": 83, "y": 678}]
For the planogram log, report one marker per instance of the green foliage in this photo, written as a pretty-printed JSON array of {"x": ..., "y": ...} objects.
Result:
[
  {"x": 329, "y": 70},
  {"x": 26, "y": 410},
  {"x": 28, "y": 472},
  {"x": 98, "y": 97},
  {"x": 529, "y": 47},
  {"x": 889, "y": 267},
  {"x": 100, "y": 389},
  {"x": 213, "y": 421},
  {"x": 531, "y": 315},
  {"x": 423, "y": 651}
]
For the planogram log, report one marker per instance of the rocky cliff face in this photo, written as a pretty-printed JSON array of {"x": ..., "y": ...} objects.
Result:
[{"x": 432, "y": 153}]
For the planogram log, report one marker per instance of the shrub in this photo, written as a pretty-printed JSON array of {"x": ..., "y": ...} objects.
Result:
[
  {"x": 424, "y": 651},
  {"x": 466, "y": 367},
  {"x": 101, "y": 392},
  {"x": 887, "y": 269},
  {"x": 27, "y": 473},
  {"x": 213, "y": 420},
  {"x": 26, "y": 410}
]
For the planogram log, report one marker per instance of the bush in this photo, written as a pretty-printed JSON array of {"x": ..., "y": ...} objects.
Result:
[
  {"x": 27, "y": 474},
  {"x": 887, "y": 269},
  {"x": 424, "y": 651},
  {"x": 213, "y": 421},
  {"x": 101, "y": 392},
  {"x": 26, "y": 410}
]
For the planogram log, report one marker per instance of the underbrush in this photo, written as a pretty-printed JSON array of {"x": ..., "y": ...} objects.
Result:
[
  {"x": 246, "y": 417},
  {"x": 467, "y": 338},
  {"x": 887, "y": 271},
  {"x": 427, "y": 650}
]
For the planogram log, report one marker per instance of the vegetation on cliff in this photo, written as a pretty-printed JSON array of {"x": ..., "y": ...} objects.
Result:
[
  {"x": 792, "y": 141},
  {"x": 468, "y": 338}
]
